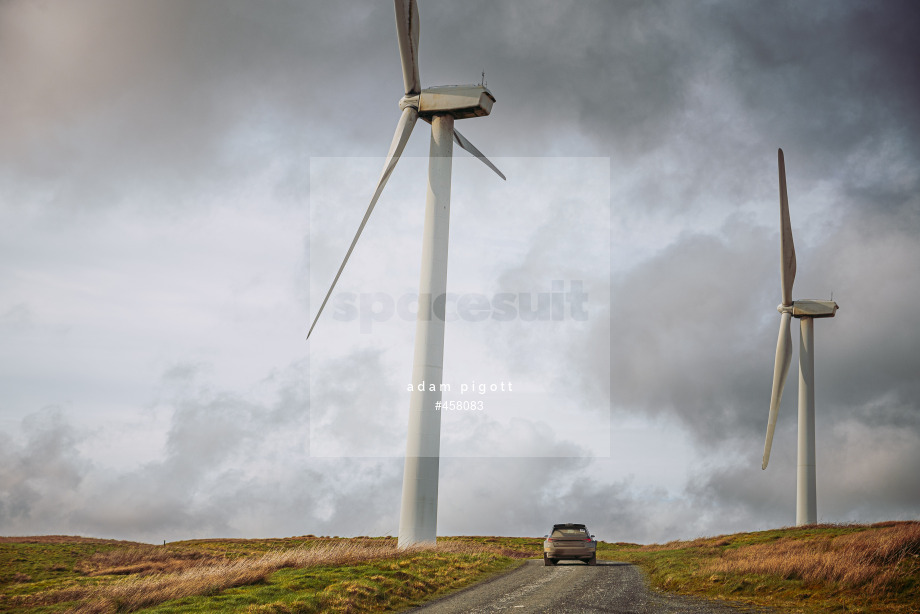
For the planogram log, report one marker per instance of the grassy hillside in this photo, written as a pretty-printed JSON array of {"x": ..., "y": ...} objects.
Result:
[
  {"x": 305, "y": 574},
  {"x": 825, "y": 568},
  {"x": 816, "y": 569}
]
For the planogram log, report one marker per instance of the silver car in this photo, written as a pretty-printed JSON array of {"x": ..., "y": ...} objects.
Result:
[{"x": 569, "y": 541}]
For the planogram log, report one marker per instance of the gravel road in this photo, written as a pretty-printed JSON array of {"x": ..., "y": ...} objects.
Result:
[{"x": 571, "y": 587}]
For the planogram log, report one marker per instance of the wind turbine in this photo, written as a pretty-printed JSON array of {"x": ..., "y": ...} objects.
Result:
[
  {"x": 806, "y": 507},
  {"x": 439, "y": 106}
]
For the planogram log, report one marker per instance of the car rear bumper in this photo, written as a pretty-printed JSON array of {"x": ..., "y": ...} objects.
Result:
[{"x": 570, "y": 552}]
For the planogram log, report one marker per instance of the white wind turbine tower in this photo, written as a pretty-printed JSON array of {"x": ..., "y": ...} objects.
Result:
[
  {"x": 439, "y": 106},
  {"x": 806, "y": 508}
]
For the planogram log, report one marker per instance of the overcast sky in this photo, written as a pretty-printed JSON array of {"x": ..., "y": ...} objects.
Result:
[{"x": 179, "y": 181}]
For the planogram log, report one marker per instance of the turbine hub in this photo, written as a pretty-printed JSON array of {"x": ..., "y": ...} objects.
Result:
[
  {"x": 785, "y": 308},
  {"x": 408, "y": 101}
]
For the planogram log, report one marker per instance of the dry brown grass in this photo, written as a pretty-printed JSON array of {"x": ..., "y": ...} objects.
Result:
[
  {"x": 159, "y": 575},
  {"x": 144, "y": 560},
  {"x": 867, "y": 559}
]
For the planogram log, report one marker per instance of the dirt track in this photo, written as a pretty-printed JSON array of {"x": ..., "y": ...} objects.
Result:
[{"x": 571, "y": 588}]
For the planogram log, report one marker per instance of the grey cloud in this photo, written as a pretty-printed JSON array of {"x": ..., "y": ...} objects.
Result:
[
  {"x": 354, "y": 408},
  {"x": 869, "y": 469},
  {"x": 526, "y": 496},
  {"x": 864, "y": 474},
  {"x": 867, "y": 356},
  {"x": 691, "y": 317},
  {"x": 213, "y": 444},
  {"x": 35, "y": 474}
]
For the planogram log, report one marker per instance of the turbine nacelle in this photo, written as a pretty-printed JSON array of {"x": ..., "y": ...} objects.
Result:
[
  {"x": 461, "y": 101},
  {"x": 814, "y": 309},
  {"x": 809, "y": 308}
]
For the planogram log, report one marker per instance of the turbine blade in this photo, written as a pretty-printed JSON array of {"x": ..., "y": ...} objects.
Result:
[
  {"x": 403, "y": 130},
  {"x": 465, "y": 144},
  {"x": 780, "y": 371},
  {"x": 787, "y": 248},
  {"x": 407, "y": 31}
]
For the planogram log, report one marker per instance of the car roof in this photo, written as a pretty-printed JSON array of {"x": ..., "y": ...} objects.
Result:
[{"x": 569, "y": 525}]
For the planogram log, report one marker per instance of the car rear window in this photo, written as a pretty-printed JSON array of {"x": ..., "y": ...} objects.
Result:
[{"x": 573, "y": 532}]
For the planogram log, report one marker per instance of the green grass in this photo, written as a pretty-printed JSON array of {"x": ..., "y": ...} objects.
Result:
[{"x": 49, "y": 559}]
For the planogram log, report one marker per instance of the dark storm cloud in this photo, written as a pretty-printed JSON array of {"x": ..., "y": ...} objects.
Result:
[
  {"x": 712, "y": 88},
  {"x": 830, "y": 73},
  {"x": 685, "y": 317},
  {"x": 624, "y": 71}
]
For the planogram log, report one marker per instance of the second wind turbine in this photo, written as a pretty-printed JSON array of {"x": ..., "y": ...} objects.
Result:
[{"x": 806, "y": 507}]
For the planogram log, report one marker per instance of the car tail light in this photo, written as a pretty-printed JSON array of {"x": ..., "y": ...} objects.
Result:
[
  {"x": 549, "y": 539},
  {"x": 587, "y": 539}
]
